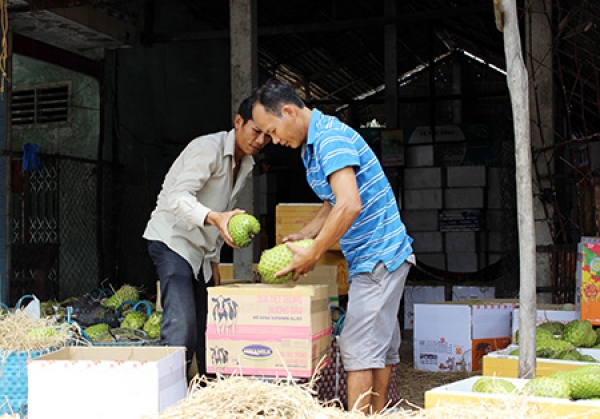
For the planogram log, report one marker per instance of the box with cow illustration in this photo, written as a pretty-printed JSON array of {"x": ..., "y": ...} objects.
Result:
[
  {"x": 267, "y": 330},
  {"x": 455, "y": 336}
]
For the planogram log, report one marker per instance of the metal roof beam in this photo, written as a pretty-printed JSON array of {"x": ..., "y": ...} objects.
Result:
[
  {"x": 400, "y": 19},
  {"x": 51, "y": 4},
  {"x": 51, "y": 54}
]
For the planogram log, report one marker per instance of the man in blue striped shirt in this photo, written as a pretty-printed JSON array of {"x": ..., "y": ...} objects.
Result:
[{"x": 360, "y": 211}]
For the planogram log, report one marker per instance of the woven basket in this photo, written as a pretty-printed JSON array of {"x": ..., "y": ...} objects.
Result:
[
  {"x": 13, "y": 380},
  {"x": 123, "y": 336}
]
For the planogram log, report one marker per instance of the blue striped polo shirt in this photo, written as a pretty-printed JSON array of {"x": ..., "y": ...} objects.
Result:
[{"x": 378, "y": 233}]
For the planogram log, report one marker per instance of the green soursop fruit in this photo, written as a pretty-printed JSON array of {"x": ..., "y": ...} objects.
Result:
[
  {"x": 577, "y": 332},
  {"x": 277, "y": 258},
  {"x": 588, "y": 358},
  {"x": 556, "y": 328},
  {"x": 584, "y": 381},
  {"x": 493, "y": 385},
  {"x": 152, "y": 325},
  {"x": 126, "y": 292},
  {"x": 597, "y": 331},
  {"x": 41, "y": 333},
  {"x": 551, "y": 347},
  {"x": 96, "y": 330},
  {"x": 540, "y": 334},
  {"x": 590, "y": 340},
  {"x": 243, "y": 228},
  {"x": 548, "y": 387},
  {"x": 134, "y": 320},
  {"x": 569, "y": 355},
  {"x": 588, "y": 368}
]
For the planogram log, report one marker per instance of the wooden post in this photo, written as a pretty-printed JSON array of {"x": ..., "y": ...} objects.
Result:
[
  {"x": 518, "y": 86},
  {"x": 244, "y": 77}
]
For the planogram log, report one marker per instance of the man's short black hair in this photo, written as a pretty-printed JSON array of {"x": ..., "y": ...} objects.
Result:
[
  {"x": 245, "y": 108},
  {"x": 274, "y": 94}
]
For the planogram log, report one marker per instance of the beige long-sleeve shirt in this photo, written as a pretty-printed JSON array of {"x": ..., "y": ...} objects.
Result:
[{"x": 199, "y": 181}]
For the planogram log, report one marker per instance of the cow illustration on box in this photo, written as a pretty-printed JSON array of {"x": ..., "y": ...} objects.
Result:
[
  {"x": 219, "y": 358},
  {"x": 224, "y": 313}
]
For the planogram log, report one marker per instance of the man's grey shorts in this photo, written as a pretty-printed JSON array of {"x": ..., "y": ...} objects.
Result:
[{"x": 371, "y": 334}]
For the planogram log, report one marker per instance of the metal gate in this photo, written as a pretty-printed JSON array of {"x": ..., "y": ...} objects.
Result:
[{"x": 54, "y": 250}]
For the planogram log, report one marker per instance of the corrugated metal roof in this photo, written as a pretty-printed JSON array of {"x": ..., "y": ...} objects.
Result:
[{"x": 334, "y": 51}]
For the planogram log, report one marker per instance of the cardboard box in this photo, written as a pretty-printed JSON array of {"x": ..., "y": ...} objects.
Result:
[
  {"x": 322, "y": 274},
  {"x": 502, "y": 364},
  {"x": 589, "y": 280},
  {"x": 227, "y": 277},
  {"x": 455, "y": 336},
  {"x": 267, "y": 330},
  {"x": 545, "y": 313},
  {"x": 331, "y": 259},
  {"x": 420, "y": 294},
  {"x": 326, "y": 275},
  {"x": 124, "y": 382},
  {"x": 460, "y": 393},
  {"x": 466, "y": 293},
  {"x": 290, "y": 218},
  {"x": 460, "y": 198},
  {"x": 336, "y": 259}
]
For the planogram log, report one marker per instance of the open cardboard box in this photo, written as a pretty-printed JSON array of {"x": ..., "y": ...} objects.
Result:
[
  {"x": 455, "y": 336},
  {"x": 460, "y": 393},
  {"x": 112, "y": 382},
  {"x": 502, "y": 364}
]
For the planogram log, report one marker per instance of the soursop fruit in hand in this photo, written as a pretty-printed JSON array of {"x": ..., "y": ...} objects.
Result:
[
  {"x": 243, "y": 228},
  {"x": 277, "y": 258}
]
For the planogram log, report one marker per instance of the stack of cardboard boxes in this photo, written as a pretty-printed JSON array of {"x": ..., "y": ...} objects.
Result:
[{"x": 267, "y": 330}]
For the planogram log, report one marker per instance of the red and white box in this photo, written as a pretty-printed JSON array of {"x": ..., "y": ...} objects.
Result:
[{"x": 268, "y": 330}]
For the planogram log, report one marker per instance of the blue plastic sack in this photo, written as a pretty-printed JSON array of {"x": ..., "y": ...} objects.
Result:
[{"x": 31, "y": 159}]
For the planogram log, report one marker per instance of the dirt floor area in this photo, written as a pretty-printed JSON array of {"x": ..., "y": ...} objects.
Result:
[{"x": 412, "y": 383}]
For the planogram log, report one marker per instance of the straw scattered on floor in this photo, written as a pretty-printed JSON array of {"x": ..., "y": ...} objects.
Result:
[
  {"x": 413, "y": 383},
  {"x": 237, "y": 397}
]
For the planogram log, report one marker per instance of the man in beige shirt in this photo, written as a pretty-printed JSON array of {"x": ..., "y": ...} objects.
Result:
[{"x": 189, "y": 225}]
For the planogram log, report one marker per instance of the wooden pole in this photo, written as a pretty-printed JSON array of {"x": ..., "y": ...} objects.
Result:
[
  {"x": 244, "y": 77},
  {"x": 518, "y": 86}
]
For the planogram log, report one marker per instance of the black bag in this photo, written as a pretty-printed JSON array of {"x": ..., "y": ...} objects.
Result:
[{"x": 88, "y": 311}]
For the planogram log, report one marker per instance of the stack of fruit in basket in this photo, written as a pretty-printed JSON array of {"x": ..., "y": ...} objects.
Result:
[
  {"x": 582, "y": 383},
  {"x": 121, "y": 314},
  {"x": 556, "y": 340},
  {"x": 138, "y": 318}
]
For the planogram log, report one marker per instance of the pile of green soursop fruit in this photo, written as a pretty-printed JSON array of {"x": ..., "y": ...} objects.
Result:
[
  {"x": 582, "y": 383},
  {"x": 556, "y": 340},
  {"x": 119, "y": 316}
]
